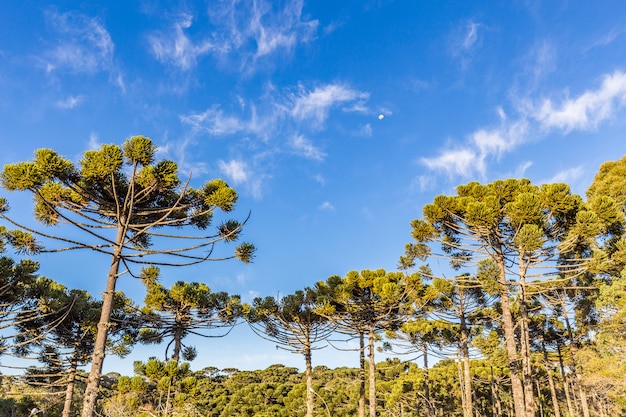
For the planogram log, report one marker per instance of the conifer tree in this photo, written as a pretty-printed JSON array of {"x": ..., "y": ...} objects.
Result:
[
  {"x": 128, "y": 207},
  {"x": 522, "y": 228},
  {"x": 292, "y": 322}
]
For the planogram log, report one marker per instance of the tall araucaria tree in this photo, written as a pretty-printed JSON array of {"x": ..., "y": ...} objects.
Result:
[
  {"x": 293, "y": 323},
  {"x": 127, "y": 206},
  {"x": 532, "y": 233},
  {"x": 366, "y": 304}
]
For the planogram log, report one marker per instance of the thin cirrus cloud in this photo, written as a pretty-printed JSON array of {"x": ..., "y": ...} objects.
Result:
[
  {"x": 304, "y": 110},
  {"x": 283, "y": 122},
  {"x": 304, "y": 147},
  {"x": 176, "y": 47},
  {"x": 243, "y": 31},
  {"x": 584, "y": 112},
  {"x": 464, "y": 40},
  {"x": 69, "y": 102},
  {"x": 215, "y": 122},
  {"x": 82, "y": 44},
  {"x": 315, "y": 105}
]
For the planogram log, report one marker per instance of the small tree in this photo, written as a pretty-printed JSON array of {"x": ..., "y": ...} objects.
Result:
[
  {"x": 127, "y": 206},
  {"x": 62, "y": 334}
]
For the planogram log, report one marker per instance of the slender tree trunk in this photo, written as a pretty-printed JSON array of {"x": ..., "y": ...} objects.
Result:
[
  {"x": 71, "y": 383},
  {"x": 577, "y": 378},
  {"x": 496, "y": 406},
  {"x": 527, "y": 371},
  {"x": 372, "y": 372},
  {"x": 93, "y": 381},
  {"x": 168, "y": 398},
  {"x": 570, "y": 407},
  {"x": 468, "y": 407},
  {"x": 429, "y": 406},
  {"x": 555, "y": 400},
  {"x": 309, "y": 380},
  {"x": 178, "y": 342},
  {"x": 459, "y": 369},
  {"x": 361, "y": 374},
  {"x": 511, "y": 349}
]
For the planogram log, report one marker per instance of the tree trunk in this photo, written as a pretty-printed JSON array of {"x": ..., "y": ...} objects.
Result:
[
  {"x": 99, "y": 352},
  {"x": 496, "y": 406},
  {"x": 527, "y": 371},
  {"x": 372, "y": 373},
  {"x": 459, "y": 369},
  {"x": 71, "y": 383},
  {"x": 570, "y": 407},
  {"x": 555, "y": 400},
  {"x": 429, "y": 406},
  {"x": 361, "y": 374},
  {"x": 468, "y": 407},
  {"x": 309, "y": 380},
  {"x": 511, "y": 349},
  {"x": 577, "y": 378},
  {"x": 178, "y": 342},
  {"x": 93, "y": 381}
]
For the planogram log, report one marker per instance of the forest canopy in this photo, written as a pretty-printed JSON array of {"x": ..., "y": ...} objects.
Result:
[{"x": 508, "y": 301}]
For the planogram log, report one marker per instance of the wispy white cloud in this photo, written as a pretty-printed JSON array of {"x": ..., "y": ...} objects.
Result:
[
  {"x": 532, "y": 122},
  {"x": 69, "y": 102},
  {"x": 320, "y": 179},
  {"x": 304, "y": 147},
  {"x": 520, "y": 171},
  {"x": 240, "y": 31},
  {"x": 235, "y": 170},
  {"x": 272, "y": 26},
  {"x": 586, "y": 111},
  {"x": 176, "y": 47},
  {"x": 568, "y": 176},
  {"x": 606, "y": 39},
  {"x": 94, "y": 142},
  {"x": 280, "y": 122},
  {"x": 303, "y": 110},
  {"x": 461, "y": 162},
  {"x": 214, "y": 122},
  {"x": 326, "y": 206},
  {"x": 464, "y": 41},
  {"x": 81, "y": 44},
  {"x": 366, "y": 130},
  {"x": 315, "y": 105},
  {"x": 471, "y": 35}
]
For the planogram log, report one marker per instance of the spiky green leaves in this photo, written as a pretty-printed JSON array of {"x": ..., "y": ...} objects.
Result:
[
  {"x": 139, "y": 150},
  {"x": 529, "y": 239},
  {"x": 163, "y": 175},
  {"x": 217, "y": 193},
  {"x": 21, "y": 176},
  {"x": 23, "y": 242},
  {"x": 47, "y": 166},
  {"x": 245, "y": 252},
  {"x": 52, "y": 165},
  {"x": 97, "y": 165}
]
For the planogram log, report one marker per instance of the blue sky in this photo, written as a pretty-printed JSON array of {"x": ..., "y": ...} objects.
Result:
[{"x": 335, "y": 121}]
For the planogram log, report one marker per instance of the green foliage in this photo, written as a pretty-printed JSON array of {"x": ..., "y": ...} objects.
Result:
[{"x": 139, "y": 150}]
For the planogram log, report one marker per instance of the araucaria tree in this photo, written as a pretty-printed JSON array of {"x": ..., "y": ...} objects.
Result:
[
  {"x": 365, "y": 304},
  {"x": 129, "y": 207},
  {"x": 293, "y": 323},
  {"x": 531, "y": 233}
]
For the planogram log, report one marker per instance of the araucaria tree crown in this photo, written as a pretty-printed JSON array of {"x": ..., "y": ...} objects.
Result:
[{"x": 129, "y": 207}]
